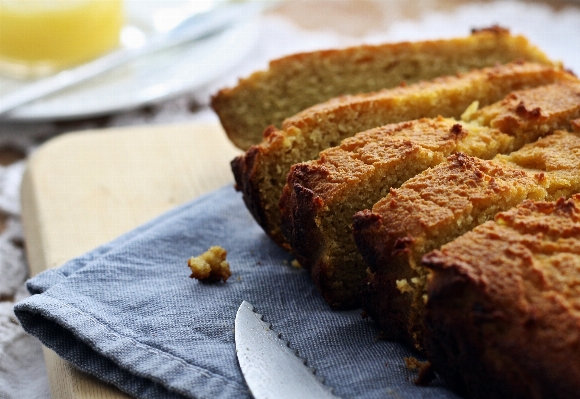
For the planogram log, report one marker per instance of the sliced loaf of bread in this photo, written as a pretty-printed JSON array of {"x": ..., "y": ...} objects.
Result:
[
  {"x": 260, "y": 173},
  {"x": 502, "y": 318},
  {"x": 321, "y": 196},
  {"x": 441, "y": 204},
  {"x": 298, "y": 81}
]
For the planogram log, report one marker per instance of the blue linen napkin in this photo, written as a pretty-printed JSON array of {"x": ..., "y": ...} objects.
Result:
[{"x": 128, "y": 313}]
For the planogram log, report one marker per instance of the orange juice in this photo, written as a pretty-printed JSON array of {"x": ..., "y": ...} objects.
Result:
[{"x": 38, "y": 37}]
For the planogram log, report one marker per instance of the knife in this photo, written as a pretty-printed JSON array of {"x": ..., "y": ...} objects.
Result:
[{"x": 271, "y": 368}]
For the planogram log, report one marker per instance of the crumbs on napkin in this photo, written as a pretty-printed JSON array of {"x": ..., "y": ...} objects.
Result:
[
  {"x": 426, "y": 373},
  {"x": 211, "y": 266}
]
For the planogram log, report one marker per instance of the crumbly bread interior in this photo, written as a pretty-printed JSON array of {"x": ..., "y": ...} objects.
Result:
[
  {"x": 321, "y": 197},
  {"x": 503, "y": 315},
  {"x": 211, "y": 266},
  {"x": 261, "y": 172},
  {"x": 443, "y": 203},
  {"x": 296, "y": 82}
]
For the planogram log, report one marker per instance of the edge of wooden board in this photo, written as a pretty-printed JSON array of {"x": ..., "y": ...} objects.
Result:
[{"x": 83, "y": 189}]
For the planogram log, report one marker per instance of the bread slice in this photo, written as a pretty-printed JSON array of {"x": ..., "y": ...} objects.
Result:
[
  {"x": 502, "y": 318},
  {"x": 441, "y": 204},
  {"x": 261, "y": 172},
  {"x": 321, "y": 197},
  {"x": 298, "y": 81}
]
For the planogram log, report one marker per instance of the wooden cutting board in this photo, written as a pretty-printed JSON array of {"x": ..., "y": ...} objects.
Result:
[{"x": 83, "y": 189}]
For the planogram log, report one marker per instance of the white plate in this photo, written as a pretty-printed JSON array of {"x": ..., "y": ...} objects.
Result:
[{"x": 147, "y": 80}]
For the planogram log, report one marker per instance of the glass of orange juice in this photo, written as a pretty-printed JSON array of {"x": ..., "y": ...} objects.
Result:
[{"x": 40, "y": 37}]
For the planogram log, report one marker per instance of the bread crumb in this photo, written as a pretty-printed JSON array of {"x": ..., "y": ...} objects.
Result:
[
  {"x": 413, "y": 363},
  {"x": 426, "y": 373},
  {"x": 296, "y": 264},
  {"x": 404, "y": 286},
  {"x": 468, "y": 113},
  {"x": 211, "y": 266}
]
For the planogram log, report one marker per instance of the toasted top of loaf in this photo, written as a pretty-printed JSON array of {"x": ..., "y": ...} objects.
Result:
[
  {"x": 524, "y": 114},
  {"x": 296, "y": 82},
  {"x": 555, "y": 160},
  {"x": 338, "y": 168},
  {"x": 546, "y": 231},
  {"x": 321, "y": 196},
  {"x": 545, "y": 106},
  {"x": 503, "y": 314},
  {"x": 438, "y": 96},
  {"x": 425, "y": 212},
  {"x": 444, "y": 195},
  {"x": 440, "y": 204},
  {"x": 448, "y": 200},
  {"x": 443, "y": 202},
  {"x": 261, "y": 172}
]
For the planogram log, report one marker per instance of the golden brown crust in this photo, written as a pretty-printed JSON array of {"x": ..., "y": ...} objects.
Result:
[
  {"x": 425, "y": 212},
  {"x": 298, "y": 81},
  {"x": 321, "y": 196},
  {"x": 261, "y": 173},
  {"x": 449, "y": 88},
  {"x": 503, "y": 315},
  {"x": 442, "y": 203},
  {"x": 245, "y": 169},
  {"x": 551, "y": 107}
]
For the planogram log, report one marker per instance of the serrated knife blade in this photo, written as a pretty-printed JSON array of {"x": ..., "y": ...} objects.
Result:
[{"x": 271, "y": 368}]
